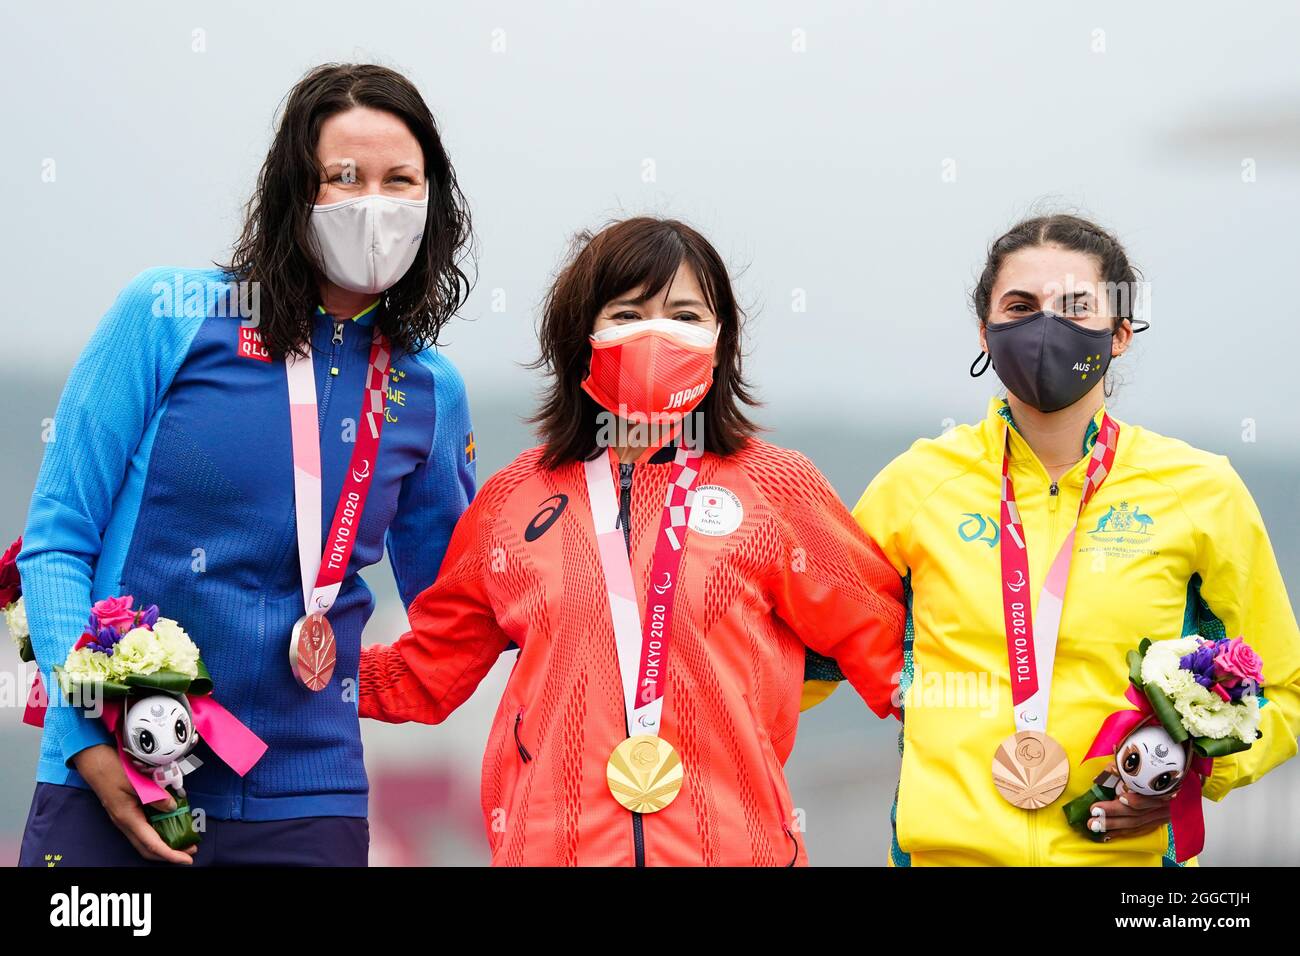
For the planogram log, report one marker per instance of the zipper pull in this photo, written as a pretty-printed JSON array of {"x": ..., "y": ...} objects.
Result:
[
  {"x": 338, "y": 333},
  {"x": 625, "y": 493},
  {"x": 790, "y": 833},
  {"x": 1054, "y": 490},
  {"x": 524, "y": 755}
]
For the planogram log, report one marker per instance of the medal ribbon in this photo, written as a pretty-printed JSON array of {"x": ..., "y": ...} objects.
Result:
[
  {"x": 322, "y": 574},
  {"x": 1032, "y": 655},
  {"x": 642, "y": 650}
]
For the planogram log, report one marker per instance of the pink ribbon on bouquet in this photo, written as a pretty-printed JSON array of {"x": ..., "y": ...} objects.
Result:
[
  {"x": 230, "y": 740},
  {"x": 1185, "y": 812},
  {"x": 34, "y": 712}
]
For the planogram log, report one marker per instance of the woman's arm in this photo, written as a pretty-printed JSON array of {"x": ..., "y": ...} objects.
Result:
[
  {"x": 836, "y": 590},
  {"x": 1242, "y": 586},
  {"x": 112, "y": 395},
  {"x": 436, "y": 494},
  {"x": 453, "y": 642}
]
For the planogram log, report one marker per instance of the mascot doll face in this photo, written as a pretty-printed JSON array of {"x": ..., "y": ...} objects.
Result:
[
  {"x": 159, "y": 730},
  {"x": 1150, "y": 762}
]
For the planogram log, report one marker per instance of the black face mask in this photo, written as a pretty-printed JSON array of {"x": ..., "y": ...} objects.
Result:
[{"x": 1045, "y": 360}]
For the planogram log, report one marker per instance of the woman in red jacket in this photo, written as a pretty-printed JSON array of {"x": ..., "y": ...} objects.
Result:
[{"x": 664, "y": 574}]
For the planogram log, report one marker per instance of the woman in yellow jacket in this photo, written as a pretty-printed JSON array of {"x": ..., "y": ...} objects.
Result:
[{"x": 1168, "y": 542}]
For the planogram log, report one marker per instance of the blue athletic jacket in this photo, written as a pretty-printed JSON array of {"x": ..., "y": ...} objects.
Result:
[{"x": 168, "y": 475}]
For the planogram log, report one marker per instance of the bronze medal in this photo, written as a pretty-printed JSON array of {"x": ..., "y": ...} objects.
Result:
[
  {"x": 312, "y": 651},
  {"x": 1030, "y": 769},
  {"x": 644, "y": 773}
]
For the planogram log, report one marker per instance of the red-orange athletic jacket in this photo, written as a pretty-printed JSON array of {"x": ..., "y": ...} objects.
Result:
[{"x": 522, "y": 566}]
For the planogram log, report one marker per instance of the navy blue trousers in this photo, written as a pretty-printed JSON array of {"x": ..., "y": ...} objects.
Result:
[{"x": 67, "y": 827}]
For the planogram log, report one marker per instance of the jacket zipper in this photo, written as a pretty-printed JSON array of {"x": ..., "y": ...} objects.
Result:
[
  {"x": 625, "y": 522},
  {"x": 771, "y": 779},
  {"x": 333, "y": 370},
  {"x": 524, "y": 755}
]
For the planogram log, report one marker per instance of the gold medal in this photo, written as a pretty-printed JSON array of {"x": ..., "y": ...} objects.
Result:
[
  {"x": 644, "y": 773},
  {"x": 1030, "y": 769}
]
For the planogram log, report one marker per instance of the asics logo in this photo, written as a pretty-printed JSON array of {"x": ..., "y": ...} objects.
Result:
[{"x": 552, "y": 508}]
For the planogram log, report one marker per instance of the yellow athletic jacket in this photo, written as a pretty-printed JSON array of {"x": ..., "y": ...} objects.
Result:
[{"x": 1172, "y": 544}]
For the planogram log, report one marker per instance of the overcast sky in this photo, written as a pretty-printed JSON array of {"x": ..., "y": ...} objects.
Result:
[{"x": 809, "y": 141}]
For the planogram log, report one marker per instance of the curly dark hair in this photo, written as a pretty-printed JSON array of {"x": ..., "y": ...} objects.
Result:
[{"x": 273, "y": 249}]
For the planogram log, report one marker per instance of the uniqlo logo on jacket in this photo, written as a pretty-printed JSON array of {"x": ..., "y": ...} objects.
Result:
[{"x": 250, "y": 344}]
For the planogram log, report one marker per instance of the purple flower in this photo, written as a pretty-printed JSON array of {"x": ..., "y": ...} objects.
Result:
[
  {"x": 105, "y": 640},
  {"x": 148, "y": 617},
  {"x": 1201, "y": 663}
]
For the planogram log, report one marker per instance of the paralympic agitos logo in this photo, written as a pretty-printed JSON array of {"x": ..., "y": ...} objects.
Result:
[{"x": 552, "y": 508}]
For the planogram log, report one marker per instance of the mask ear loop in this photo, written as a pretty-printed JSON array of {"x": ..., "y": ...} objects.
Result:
[
  {"x": 988, "y": 360},
  {"x": 1145, "y": 325}
]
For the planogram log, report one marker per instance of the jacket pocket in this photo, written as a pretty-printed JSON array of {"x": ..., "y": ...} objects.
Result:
[
  {"x": 774, "y": 779},
  {"x": 524, "y": 754},
  {"x": 501, "y": 767}
]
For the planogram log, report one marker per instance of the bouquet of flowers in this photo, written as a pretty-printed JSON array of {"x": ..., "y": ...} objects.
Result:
[
  {"x": 146, "y": 674},
  {"x": 15, "y": 612},
  {"x": 11, "y": 602},
  {"x": 1196, "y": 699}
]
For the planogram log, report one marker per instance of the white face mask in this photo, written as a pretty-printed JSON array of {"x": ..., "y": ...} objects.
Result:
[{"x": 366, "y": 244}]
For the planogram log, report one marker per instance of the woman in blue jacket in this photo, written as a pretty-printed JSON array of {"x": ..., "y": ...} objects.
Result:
[{"x": 172, "y": 475}]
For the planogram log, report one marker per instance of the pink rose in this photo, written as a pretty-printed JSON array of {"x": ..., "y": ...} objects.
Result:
[
  {"x": 114, "y": 611},
  {"x": 11, "y": 587},
  {"x": 1240, "y": 660}
]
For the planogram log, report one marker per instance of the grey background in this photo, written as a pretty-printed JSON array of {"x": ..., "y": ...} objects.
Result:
[{"x": 818, "y": 173}]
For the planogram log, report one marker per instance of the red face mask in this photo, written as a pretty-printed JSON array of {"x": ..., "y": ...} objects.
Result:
[{"x": 654, "y": 371}]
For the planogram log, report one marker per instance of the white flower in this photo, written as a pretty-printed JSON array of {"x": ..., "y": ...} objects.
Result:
[
  {"x": 16, "y": 619},
  {"x": 1182, "y": 685},
  {"x": 1211, "y": 716},
  {"x": 83, "y": 664},
  {"x": 179, "y": 652},
  {"x": 1160, "y": 664},
  {"x": 1247, "y": 718},
  {"x": 138, "y": 652}
]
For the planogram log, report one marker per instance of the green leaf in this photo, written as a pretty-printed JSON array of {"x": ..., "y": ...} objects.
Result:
[
  {"x": 169, "y": 682},
  {"x": 1219, "y": 747},
  {"x": 1079, "y": 810},
  {"x": 1166, "y": 713},
  {"x": 202, "y": 684},
  {"x": 88, "y": 691},
  {"x": 1135, "y": 669}
]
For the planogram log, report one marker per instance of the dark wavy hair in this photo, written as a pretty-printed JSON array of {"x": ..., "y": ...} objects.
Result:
[
  {"x": 274, "y": 248},
  {"x": 644, "y": 252}
]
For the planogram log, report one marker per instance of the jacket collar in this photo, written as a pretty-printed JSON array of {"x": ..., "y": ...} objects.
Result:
[
  {"x": 365, "y": 317},
  {"x": 662, "y": 456},
  {"x": 999, "y": 422}
]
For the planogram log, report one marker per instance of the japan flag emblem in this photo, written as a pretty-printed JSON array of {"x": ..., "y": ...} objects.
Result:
[{"x": 716, "y": 511}]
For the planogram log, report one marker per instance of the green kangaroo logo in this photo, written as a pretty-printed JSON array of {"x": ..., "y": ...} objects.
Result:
[{"x": 1105, "y": 520}]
